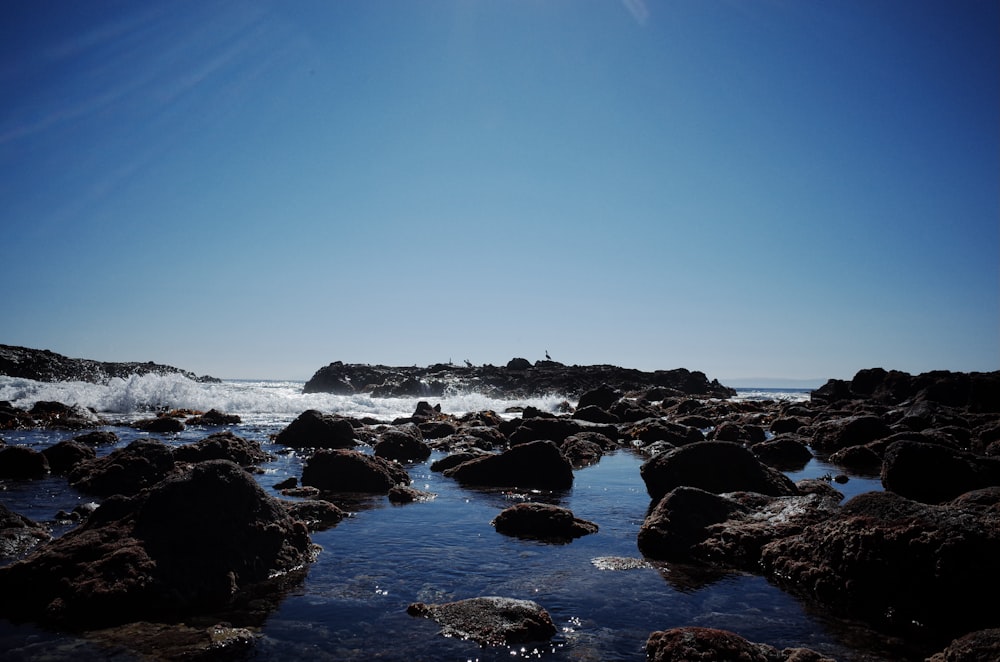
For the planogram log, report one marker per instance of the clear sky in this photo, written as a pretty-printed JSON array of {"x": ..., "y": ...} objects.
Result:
[{"x": 753, "y": 188}]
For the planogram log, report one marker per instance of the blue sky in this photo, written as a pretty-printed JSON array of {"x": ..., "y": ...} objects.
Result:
[{"x": 751, "y": 189}]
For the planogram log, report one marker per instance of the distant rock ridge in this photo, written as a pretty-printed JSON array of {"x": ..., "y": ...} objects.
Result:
[
  {"x": 43, "y": 365},
  {"x": 519, "y": 378}
]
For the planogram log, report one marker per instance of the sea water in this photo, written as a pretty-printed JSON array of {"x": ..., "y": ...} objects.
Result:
[{"x": 604, "y": 598}]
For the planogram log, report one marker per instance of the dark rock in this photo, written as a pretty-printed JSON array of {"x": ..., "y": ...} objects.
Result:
[
  {"x": 22, "y": 463},
  {"x": 535, "y": 464},
  {"x": 187, "y": 546},
  {"x": 176, "y": 641},
  {"x": 594, "y": 414},
  {"x": 97, "y": 438},
  {"x": 57, "y": 416},
  {"x": 489, "y": 621},
  {"x": 65, "y": 455},
  {"x": 352, "y": 471},
  {"x": 539, "y": 521},
  {"x": 710, "y": 645},
  {"x": 44, "y": 366},
  {"x": 786, "y": 424},
  {"x": 395, "y": 444},
  {"x": 649, "y": 431},
  {"x": 861, "y": 459},
  {"x": 223, "y": 446},
  {"x": 601, "y": 397},
  {"x": 456, "y": 459},
  {"x": 692, "y": 525},
  {"x": 160, "y": 424},
  {"x": 979, "y": 646},
  {"x": 553, "y": 429},
  {"x": 286, "y": 484},
  {"x": 932, "y": 473},
  {"x": 714, "y": 466},
  {"x": 581, "y": 451},
  {"x": 126, "y": 471},
  {"x": 840, "y": 433},
  {"x": 214, "y": 417},
  {"x": 313, "y": 429},
  {"x": 519, "y": 364},
  {"x": 784, "y": 452},
  {"x": 317, "y": 514},
  {"x": 406, "y": 494},
  {"x": 18, "y": 534},
  {"x": 897, "y": 563}
]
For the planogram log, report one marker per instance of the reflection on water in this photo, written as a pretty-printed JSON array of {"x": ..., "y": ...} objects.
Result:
[{"x": 603, "y": 597}]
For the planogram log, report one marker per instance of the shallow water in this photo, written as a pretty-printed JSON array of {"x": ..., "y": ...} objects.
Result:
[{"x": 352, "y": 603}]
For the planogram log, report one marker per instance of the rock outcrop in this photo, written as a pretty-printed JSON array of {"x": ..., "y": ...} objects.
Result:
[
  {"x": 489, "y": 621},
  {"x": 43, "y": 365}
]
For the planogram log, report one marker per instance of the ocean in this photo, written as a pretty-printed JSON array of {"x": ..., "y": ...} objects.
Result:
[{"x": 352, "y": 603}]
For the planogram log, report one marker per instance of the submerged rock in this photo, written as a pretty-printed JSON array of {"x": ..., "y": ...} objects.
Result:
[
  {"x": 186, "y": 546},
  {"x": 710, "y": 645},
  {"x": 540, "y": 521},
  {"x": 489, "y": 621},
  {"x": 18, "y": 534}
]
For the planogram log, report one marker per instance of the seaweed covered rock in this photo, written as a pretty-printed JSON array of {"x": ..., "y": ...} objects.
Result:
[
  {"x": 541, "y": 521},
  {"x": 489, "y": 621},
  {"x": 126, "y": 471},
  {"x": 712, "y": 645},
  {"x": 898, "y": 563},
  {"x": 352, "y": 471},
  {"x": 223, "y": 446},
  {"x": 186, "y": 546}
]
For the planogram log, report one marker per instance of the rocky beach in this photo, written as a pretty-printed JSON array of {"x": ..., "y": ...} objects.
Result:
[{"x": 185, "y": 533}]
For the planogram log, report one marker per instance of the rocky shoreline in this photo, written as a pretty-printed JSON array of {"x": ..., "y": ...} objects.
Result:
[
  {"x": 183, "y": 533},
  {"x": 43, "y": 365}
]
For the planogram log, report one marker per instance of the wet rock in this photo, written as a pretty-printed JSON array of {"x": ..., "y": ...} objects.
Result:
[
  {"x": 786, "y": 425},
  {"x": 861, "y": 459},
  {"x": 338, "y": 470},
  {"x": 714, "y": 466},
  {"x": 57, "y": 416},
  {"x": 979, "y": 646},
  {"x": 582, "y": 451},
  {"x": 313, "y": 429},
  {"x": 43, "y": 365},
  {"x": 535, "y": 464},
  {"x": 594, "y": 414},
  {"x": 840, "y": 433},
  {"x": 66, "y": 455},
  {"x": 187, "y": 546},
  {"x": 160, "y": 424},
  {"x": 933, "y": 473},
  {"x": 14, "y": 418},
  {"x": 22, "y": 463},
  {"x": 540, "y": 521},
  {"x": 456, "y": 459},
  {"x": 601, "y": 397},
  {"x": 214, "y": 417},
  {"x": 785, "y": 452},
  {"x": 897, "y": 563},
  {"x": 404, "y": 494},
  {"x": 403, "y": 446},
  {"x": 97, "y": 438},
  {"x": 726, "y": 531},
  {"x": 18, "y": 534},
  {"x": 711, "y": 645},
  {"x": 553, "y": 429},
  {"x": 649, "y": 431},
  {"x": 175, "y": 641},
  {"x": 223, "y": 446},
  {"x": 287, "y": 484},
  {"x": 317, "y": 514},
  {"x": 126, "y": 471},
  {"x": 489, "y": 621}
]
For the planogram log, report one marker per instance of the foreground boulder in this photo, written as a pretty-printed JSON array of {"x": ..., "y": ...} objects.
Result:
[
  {"x": 66, "y": 455},
  {"x": 690, "y": 525},
  {"x": 535, "y": 464},
  {"x": 187, "y": 546},
  {"x": 313, "y": 429},
  {"x": 489, "y": 621},
  {"x": 899, "y": 564},
  {"x": 979, "y": 646},
  {"x": 713, "y": 466},
  {"x": 541, "y": 521},
  {"x": 711, "y": 645},
  {"x": 352, "y": 471}
]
